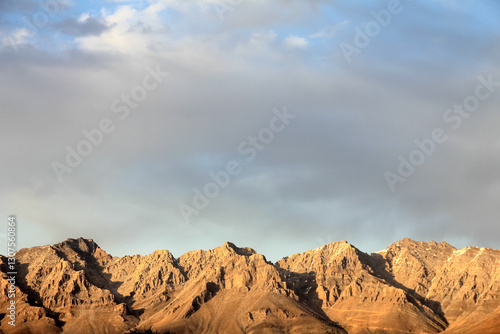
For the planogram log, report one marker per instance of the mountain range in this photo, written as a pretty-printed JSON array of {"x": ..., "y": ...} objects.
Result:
[{"x": 75, "y": 287}]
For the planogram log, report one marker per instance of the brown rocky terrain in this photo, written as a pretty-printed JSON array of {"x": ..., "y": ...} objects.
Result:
[{"x": 410, "y": 287}]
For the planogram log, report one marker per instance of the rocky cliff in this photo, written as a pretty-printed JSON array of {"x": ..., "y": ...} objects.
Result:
[{"x": 410, "y": 287}]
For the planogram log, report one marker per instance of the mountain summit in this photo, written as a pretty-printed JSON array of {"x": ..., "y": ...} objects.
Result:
[{"x": 410, "y": 287}]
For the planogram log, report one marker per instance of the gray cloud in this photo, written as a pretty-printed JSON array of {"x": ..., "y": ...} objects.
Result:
[
  {"x": 17, "y": 5},
  {"x": 321, "y": 176},
  {"x": 90, "y": 27}
]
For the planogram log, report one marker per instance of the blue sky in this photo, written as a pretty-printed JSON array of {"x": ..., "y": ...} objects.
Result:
[{"x": 321, "y": 178}]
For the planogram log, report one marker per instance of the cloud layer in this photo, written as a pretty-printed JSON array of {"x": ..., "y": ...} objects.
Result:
[{"x": 66, "y": 67}]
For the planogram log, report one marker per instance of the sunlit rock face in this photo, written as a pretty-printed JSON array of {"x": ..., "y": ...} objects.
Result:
[{"x": 410, "y": 287}]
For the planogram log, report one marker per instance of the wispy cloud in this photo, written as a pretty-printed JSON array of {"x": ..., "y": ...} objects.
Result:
[
  {"x": 296, "y": 42},
  {"x": 330, "y": 31}
]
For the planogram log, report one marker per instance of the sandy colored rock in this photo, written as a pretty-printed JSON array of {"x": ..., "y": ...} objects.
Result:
[{"x": 410, "y": 287}]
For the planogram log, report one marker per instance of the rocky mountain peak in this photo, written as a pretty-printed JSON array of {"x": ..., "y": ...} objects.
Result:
[
  {"x": 409, "y": 245},
  {"x": 81, "y": 249},
  {"x": 244, "y": 251},
  {"x": 422, "y": 287}
]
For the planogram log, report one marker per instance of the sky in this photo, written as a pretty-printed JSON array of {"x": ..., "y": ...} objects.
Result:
[{"x": 278, "y": 125}]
